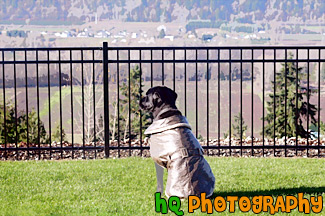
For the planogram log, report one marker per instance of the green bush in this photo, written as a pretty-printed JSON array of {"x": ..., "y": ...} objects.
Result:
[{"x": 8, "y": 126}]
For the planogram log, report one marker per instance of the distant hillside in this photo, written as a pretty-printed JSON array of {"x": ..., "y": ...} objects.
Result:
[{"x": 79, "y": 11}]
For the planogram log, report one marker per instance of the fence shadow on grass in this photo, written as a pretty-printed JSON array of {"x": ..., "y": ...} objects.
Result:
[{"x": 273, "y": 192}]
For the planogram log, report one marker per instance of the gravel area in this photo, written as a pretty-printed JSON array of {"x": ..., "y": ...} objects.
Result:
[{"x": 269, "y": 151}]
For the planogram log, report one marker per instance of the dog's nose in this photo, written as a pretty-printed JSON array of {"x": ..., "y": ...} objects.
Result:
[{"x": 142, "y": 100}]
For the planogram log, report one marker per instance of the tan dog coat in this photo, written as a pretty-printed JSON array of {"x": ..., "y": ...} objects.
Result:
[{"x": 174, "y": 147}]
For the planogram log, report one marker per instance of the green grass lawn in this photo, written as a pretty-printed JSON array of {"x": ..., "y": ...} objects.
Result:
[{"x": 127, "y": 186}]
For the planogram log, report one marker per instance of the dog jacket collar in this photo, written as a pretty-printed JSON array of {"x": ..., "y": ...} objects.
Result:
[{"x": 168, "y": 123}]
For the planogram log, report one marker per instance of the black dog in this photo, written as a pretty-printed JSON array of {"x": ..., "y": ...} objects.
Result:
[{"x": 173, "y": 146}]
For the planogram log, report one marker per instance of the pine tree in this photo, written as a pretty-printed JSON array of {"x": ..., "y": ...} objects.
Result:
[
  {"x": 10, "y": 130},
  {"x": 32, "y": 128},
  {"x": 279, "y": 98},
  {"x": 135, "y": 95},
  {"x": 56, "y": 136},
  {"x": 236, "y": 129}
]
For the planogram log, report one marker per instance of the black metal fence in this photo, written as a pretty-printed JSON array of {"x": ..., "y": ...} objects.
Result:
[{"x": 83, "y": 102}]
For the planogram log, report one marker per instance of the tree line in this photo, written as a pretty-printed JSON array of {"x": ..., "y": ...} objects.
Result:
[{"x": 158, "y": 11}]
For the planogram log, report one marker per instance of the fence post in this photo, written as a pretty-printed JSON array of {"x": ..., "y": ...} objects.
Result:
[{"x": 106, "y": 98}]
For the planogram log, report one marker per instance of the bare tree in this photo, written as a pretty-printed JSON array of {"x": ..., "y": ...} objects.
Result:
[
  {"x": 114, "y": 120},
  {"x": 89, "y": 128}
]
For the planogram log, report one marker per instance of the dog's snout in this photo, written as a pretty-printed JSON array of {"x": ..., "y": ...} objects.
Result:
[{"x": 142, "y": 101}]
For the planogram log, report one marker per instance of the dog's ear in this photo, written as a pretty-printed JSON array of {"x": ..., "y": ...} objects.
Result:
[
  {"x": 173, "y": 95},
  {"x": 170, "y": 96},
  {"x": 156, "y": 98}
]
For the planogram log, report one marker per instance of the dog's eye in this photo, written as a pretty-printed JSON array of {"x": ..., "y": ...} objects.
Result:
[{"x": 144, "y": 99}]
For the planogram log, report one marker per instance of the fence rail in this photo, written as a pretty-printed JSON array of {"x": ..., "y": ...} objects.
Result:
[{"x": 91, "y": 94}]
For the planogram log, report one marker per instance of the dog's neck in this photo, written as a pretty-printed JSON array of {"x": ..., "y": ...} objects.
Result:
[{"x": 165, "y": 111}]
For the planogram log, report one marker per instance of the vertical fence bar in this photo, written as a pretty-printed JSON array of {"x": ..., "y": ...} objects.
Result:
[
  {"x": 252, "y": 103},
  {"x": 83, "y": 104},
  {"x": 196, "y": 99},
  {"x": 26, "y": 91},
  {"x": 263, "y": 90},
  {"x": 319, "y": 56},
  {"x": 208, "y": 76},
  {"x": 49, "y": 98},
  {"x": 94, "y": 103},
  {"x": 218, "y": 101},
  {"x": 140, "y": 93},
  {"x": 185, "y": 81},
  {"x": 129, "y": 100},
  {"x": 274, "y": 104},
  {"x": 16, "y": 113},
  {"x": 162, "y": 68},
  {"x": 71, "y": 100},
  {"x": 38, "y": 109},
  {"x": 241, "y": 102},
  {"x": 285, "y": 102},
  {"x": 118, "y": 104},
  {"x": 151, "y": 70},
  {"x": 296, "y": 114},
  {"x": 60, "y": 92},
  {"x": 4, "y": 103},
  {"x": 230, "y": 151},
  {"x": 106, "y": 98},
  {"x": 308, "y": 102},
  {"x": 174, "y": 75}
]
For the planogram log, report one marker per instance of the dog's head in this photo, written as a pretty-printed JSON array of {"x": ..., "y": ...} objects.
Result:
[{"x": 157, "y": 97}]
